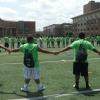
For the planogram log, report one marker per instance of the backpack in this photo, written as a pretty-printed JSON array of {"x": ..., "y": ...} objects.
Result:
[
  {"x": 28, "y": 59},
  {"x": 81, "y": 54}
]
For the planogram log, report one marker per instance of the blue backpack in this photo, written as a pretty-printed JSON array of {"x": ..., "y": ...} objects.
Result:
[
  {"x": 81, "y": 55},
  {"x": 28, "y": 59}
]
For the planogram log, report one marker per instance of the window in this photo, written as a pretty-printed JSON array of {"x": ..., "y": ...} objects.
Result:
[
  {"x": 81, "y": 24},
  {"x": 92, "y": 28},
  {"x": 88, "y": 29},
  {"x": 96, "y": 28},
  {"x": 84, "y": 23}
]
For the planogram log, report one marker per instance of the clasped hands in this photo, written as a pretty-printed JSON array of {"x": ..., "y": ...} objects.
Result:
[{"x": 55, "y": 52}]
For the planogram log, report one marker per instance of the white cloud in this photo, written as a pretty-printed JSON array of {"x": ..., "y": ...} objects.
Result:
[
  {"x": 7, "y": 10},
  {"x": 51, "y": 12},
  {"x": 8, "y": 14},
  {"x": 44, "y": 12},
  {"x": 8, "y": 1}
]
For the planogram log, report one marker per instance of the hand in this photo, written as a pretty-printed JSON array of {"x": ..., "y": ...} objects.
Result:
[
  {"x": 99, "y": 53},
  {"x": 9, "y": 51},
  {"x": 56, "y": 53}
]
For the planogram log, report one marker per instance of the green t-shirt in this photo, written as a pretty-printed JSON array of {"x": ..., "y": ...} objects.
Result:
[
  {"x": 23, "y": 40},
  {"x": 0, "y": 40},
  {"x": 12, "y": 40},
  {"x": 75, "y": 45},
  {"x": 52, "y": 40},
  {"x": 18, "y": 40},
  {"x": 48, "y": 40},
  {"x": 63, "y": 40},
  {"x": 98, "y": 38},
  {"x": 58, "y": 39},
  {"x": 6, "y": 39},
  {"x": 31, "y": 47},
  {"x": 67, "y": 39}
]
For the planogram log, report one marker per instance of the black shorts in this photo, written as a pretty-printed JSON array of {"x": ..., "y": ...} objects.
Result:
[
  {"x": 6, "y": 45},
  {"x": 80, "y": 68}
]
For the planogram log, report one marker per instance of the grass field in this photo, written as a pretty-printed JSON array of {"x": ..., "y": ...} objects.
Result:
[{"x": 56, "y": 74}]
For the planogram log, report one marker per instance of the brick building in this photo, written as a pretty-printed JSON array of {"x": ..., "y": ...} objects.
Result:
[
  {"x": 57, "y": 29},
  {"x": 89, "y": 22},
  {"x": 15, "y": 28},
  {"x": 91, "y": 6}
]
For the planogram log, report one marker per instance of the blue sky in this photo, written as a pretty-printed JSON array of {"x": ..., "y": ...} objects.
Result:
[{"x": 44, "y": 12}]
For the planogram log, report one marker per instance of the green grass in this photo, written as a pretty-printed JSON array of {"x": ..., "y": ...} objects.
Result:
[{"x": 57, "y": 76}]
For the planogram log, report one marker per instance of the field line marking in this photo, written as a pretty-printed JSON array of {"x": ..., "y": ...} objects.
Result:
[
  {"x": 61, "y": 95},
  {"x": 50, "y": 61},
  {"x": 80, "y": 92}
]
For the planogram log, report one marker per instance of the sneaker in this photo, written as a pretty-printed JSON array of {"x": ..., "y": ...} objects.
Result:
[
  {"x": 76, "y": 86},
  {"x": 24, "y": 89},
  {"x": 41, "y": 88}
]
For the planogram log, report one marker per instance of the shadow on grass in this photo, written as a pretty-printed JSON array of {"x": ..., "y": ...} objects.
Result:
[
  {"x": 34, "y": 95},
  {"x": 0, "y": 85},
  {"x": 87, "y": 92}
]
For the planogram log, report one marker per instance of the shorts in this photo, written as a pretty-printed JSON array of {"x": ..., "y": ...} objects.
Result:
[
  {"x": 31, "y": 73},
  {"x": 80, "y": 68},
  {"x": 6, "y": 45}
]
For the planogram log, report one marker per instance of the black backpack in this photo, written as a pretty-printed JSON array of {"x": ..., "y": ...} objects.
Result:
[
  {"x": 81, "y": 54},
  {"x": 28, "y": 59}
]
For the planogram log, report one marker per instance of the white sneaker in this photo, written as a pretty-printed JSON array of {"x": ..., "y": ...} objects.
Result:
[
  {"x": 41, "y": 88},
  {"x": 24, "y": 89}
]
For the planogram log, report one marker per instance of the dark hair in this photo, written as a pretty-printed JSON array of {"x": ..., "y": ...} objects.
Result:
[
  {"x": 30, "y": 39},
  {"x": 81, "y": 35}
]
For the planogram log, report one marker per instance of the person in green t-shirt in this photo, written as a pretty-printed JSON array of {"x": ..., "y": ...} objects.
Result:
[
  {"x": 92, "y": 39},
  {"x": 98, "y": 40},
  {"x": 12, "y": 42},
  {"x": 40, "y": 42},
  {"x": 63, "y": 41},
  {"x": 52, "y": 41},
  {"x": 80, "y": 65},
  {"x": 23, "y": 40},
  {"x": 31, "y": 71},
  {"x": 67, "y": 40},
  {"x": 0, "y": 42},
  {"x": 6, "y": 42},
  {"x": 58, "y": 42},
  {"x": 48, "y": 42},
  {"x": 5, "y": 48},
  {"x": 18, "y": 42}
]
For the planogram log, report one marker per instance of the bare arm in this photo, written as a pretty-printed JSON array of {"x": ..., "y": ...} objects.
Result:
[
  {"x": 45, "y": 51},
  {"x": 96, "y": 51},
  {"x": 63, "y": 50},
  {"x": 14, "y": 50},
  {"x": 4, "y": 48}
]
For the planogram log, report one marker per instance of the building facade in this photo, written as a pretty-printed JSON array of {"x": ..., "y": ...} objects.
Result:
[
  {"x": 57, "y": 29},
  {"x": 8, "y": 28},
  {"x": 89, "y": 23},
  {"x": 91, "y": 6}
]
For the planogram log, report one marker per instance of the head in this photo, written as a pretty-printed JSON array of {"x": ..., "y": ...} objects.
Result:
[
  {"x": 81, "y": 35},
  {"x": 30, "y": 39}
]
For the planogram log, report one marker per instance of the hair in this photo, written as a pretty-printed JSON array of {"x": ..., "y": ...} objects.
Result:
[
  {"x": 30, "y": 39},
  {"x": 81, "y": 35}
]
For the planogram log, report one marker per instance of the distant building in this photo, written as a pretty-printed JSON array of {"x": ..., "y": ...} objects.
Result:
[
  {"x": 89, "y": 22},
  {"x": 39, "y": 33},
  {"x": 57, "y": 29},
  {"x": 91, "y": 6},
  {"x": 15, "y": 28}
]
